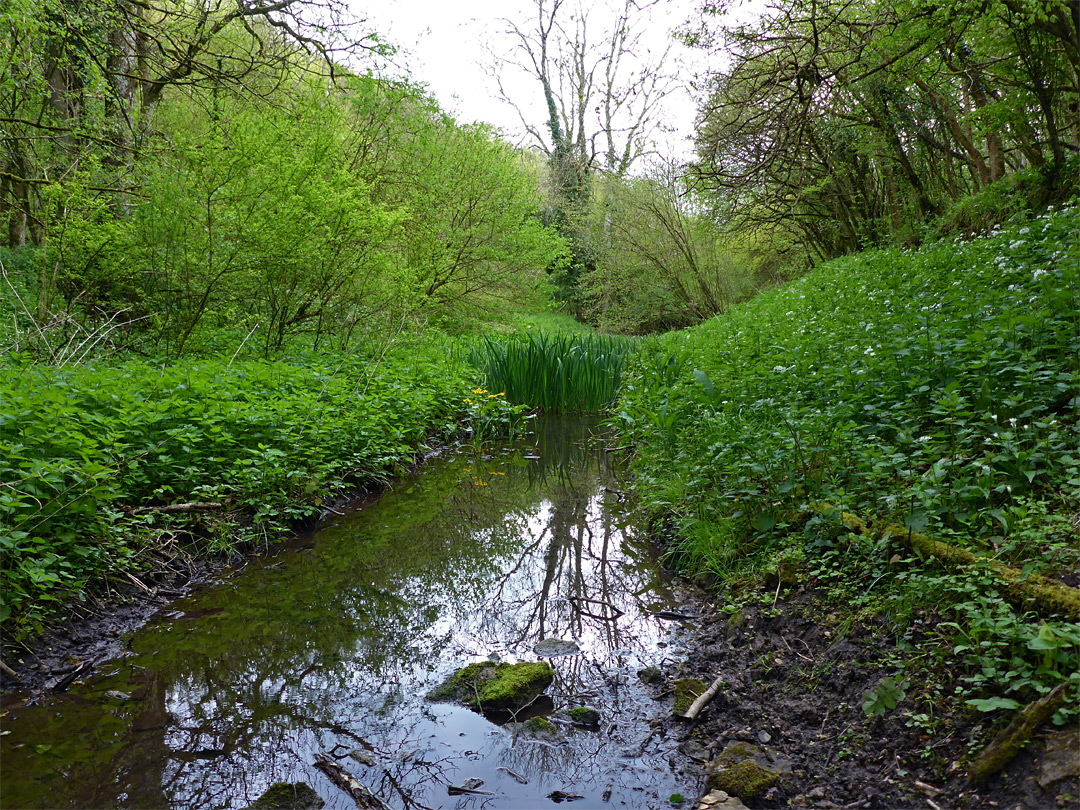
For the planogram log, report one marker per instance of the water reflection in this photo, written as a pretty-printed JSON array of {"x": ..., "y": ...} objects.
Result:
[{"x": 330, "y": 646}]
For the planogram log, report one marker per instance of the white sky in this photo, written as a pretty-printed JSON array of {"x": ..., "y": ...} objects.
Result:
[{"x": 445, "y": 42}]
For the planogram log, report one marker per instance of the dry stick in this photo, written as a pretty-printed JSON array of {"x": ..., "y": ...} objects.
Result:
[
  {"x": 363, "y": 797},
  {"x": 8, "y": 671},
  {"x": 703, "y": 698},
  {"x": 1005, "y": 746},
  {"x": 139, "y": 583}
]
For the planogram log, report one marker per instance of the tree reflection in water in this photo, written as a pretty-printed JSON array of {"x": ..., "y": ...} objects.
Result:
[{"x": 331, "y": 644}]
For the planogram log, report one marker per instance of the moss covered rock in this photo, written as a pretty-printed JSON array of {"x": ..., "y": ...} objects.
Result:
[
  {"x": 744, "y": 779},
  {"x": 488, "y": 686},
  {"x": 686, "y": 691},
  {"x": 584, "y": 716},
  {"x": 288, "y": 796},
  {"x": 540, "y": 728}
]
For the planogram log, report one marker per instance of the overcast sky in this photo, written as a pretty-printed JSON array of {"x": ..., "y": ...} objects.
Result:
[{"x": 446, "y": 44}]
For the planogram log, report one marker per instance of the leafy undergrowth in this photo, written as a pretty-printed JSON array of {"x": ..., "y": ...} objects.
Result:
[
  {"x": 86, "y": 452},
  {"x": 935, "y": 390}
]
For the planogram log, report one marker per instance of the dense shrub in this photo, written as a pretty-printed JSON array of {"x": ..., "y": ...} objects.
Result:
[
  {"x": 935, "y": 389},
  {"x": 269, "y": 440}
]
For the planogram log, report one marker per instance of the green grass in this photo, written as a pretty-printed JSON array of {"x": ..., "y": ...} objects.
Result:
[
  {"x": 553, "y": 372},
  {"x": 550, "y": 323},
  {"x": 935, "y": 389},
  {"x": 81, "y": 446}
]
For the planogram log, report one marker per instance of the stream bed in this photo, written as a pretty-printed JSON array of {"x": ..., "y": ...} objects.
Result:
[{"x": 331, "y": 644}]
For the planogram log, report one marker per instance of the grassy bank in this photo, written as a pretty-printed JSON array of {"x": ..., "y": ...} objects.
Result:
[
  {"x": 935, "y": 391},
  {"x": 105, "y": 466}
]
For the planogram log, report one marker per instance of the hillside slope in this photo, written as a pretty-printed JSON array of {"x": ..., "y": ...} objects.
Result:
[{"x": 897, "y": 433}]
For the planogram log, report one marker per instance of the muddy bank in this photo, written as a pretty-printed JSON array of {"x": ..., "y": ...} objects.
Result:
[
  {"x": 792, "y": 701},
  {"x": 95, "y": 630}
]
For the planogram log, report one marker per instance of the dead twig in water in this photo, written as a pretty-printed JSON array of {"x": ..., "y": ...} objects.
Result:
[{"x": 363, "y": 797}]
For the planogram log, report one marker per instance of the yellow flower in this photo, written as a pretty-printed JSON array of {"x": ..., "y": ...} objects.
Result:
[
  {"x": 469, "y": 401},
  {"x": 479, "y": 391}
]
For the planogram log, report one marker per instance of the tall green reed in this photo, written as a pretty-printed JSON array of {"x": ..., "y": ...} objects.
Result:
[{"x": 561, "y": 373}]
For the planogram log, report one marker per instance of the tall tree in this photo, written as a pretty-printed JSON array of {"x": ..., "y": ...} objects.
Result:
[
  {"x": 602, "y": 89},
  {"x": 79, "y": 81},
  {"x": 857, "y": 121}
]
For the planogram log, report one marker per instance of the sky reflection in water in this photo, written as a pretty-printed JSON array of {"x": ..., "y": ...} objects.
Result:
[{"x": 334, "y": 642}]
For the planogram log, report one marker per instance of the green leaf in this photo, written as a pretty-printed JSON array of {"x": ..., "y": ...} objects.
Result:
[{"x": 993, "y": 704}]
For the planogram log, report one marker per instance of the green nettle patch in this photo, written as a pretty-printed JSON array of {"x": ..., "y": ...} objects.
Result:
[
  {"x": 92, "y": 456},
  {"x": 934, "y": 390},
  {"x": 565, "y": 372}
]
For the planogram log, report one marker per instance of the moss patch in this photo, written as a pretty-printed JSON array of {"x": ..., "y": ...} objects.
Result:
[
  {"x": 494, "y": 687},
  {"x": 584, "y": 716},
  {"x": 539, "y": 728},
  {"x": 288, "y": 796},
  {"x": 686, "y": 691},
  {"x": 744, "y": 779}
]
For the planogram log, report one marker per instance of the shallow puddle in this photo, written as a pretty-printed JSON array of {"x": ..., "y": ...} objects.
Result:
[{"x": 330, "y": 646}]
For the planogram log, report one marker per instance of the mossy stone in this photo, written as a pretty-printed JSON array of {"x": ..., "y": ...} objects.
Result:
[
  {"x": 540, "y": 728},
  {"x": 686, "y": 691},
  {"x": 288, "y": 796},
  {"x": 744, "y": 779},
  {"x": 783, "y": 574},
  {"x": 584, "y": 716},
  {"x": 651, "y": 675},
  {"x": 495, "y": 687},
  {"x": 737, "y": 751}
]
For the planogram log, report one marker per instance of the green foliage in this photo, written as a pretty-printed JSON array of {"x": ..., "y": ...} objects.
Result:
[
  {"x": 931, "y": 107},
  {"x": 661, "y": 261},
  {"x": 260, "y": 224},
  {"x": 567, "y": 372},
  {"x": 884, "y": 697},
  {"x": 490, "y": 416},
  {"x": 934, "y": 389},
  {"x": 269, "y": 441},
  {"x": 471, "y": 231},
  {"x": 322, "y": 220}
]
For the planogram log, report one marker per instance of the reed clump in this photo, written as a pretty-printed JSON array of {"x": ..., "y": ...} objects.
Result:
[{"x": 560, "y": 373}]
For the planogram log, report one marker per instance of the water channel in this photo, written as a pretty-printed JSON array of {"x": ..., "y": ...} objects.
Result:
[{"x": 331, "y": 644}]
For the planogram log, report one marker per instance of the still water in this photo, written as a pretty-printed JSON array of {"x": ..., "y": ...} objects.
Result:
[{"x": 331, "y": 644}]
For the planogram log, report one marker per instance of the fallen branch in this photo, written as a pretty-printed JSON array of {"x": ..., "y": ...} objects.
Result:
[
  {"x": 701, "y": 700},
  {"x": 1020, "y": 589},
  {"x": 174, "y": 508},
  {"x": 8, "y": 671},
  {"x": 1005, "y": 746},
  {"x": 674, "y": 615},
  {"x": 363, "y": 797},
  {"x": 139, "y": 583}
]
